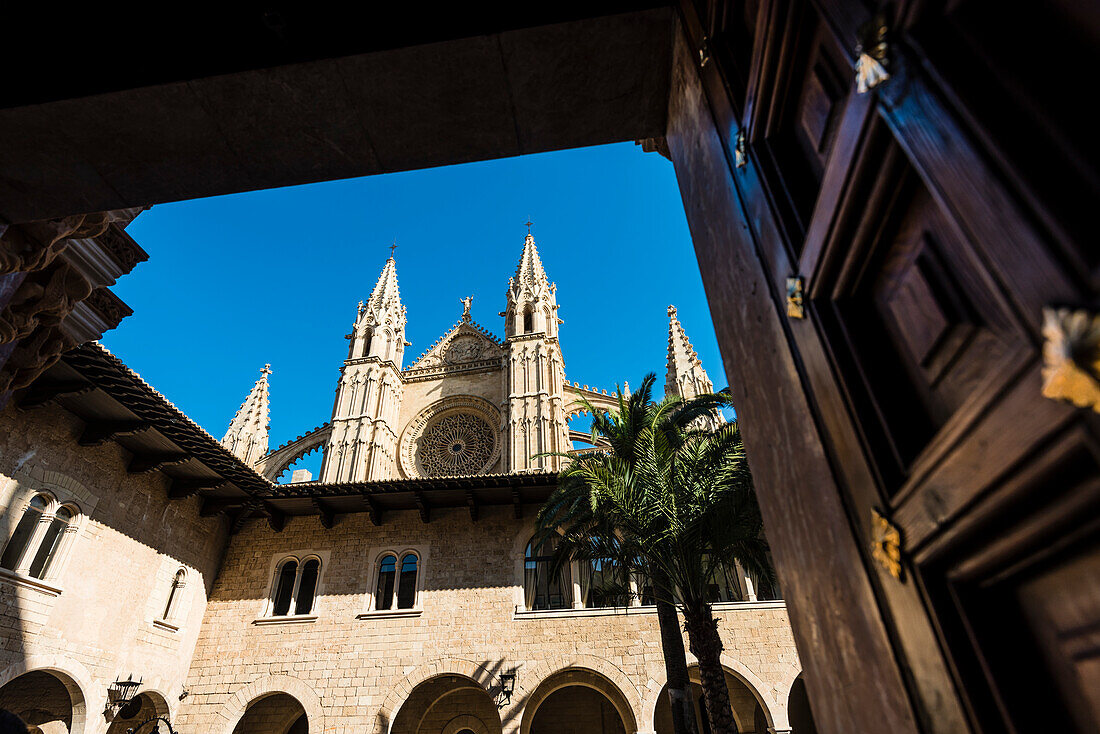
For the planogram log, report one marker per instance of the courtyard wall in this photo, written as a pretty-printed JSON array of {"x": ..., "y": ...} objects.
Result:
[{"x": 357, "y": 666}]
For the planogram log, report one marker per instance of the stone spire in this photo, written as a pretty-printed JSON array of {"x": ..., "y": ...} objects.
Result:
[
  {"x": 685, "y": 376},
  {"x": 530, "y": 270},
  {"x": 533, "y": 407},
  {"x": 247, "y": 435},
  {"x": 380, "y": 322},
  {"x": 363, "y": 443},
  {"x": 532, "y": 300}
]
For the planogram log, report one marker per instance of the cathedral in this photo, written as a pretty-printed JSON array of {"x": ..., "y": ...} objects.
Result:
[{"x": 151, "y": 570}]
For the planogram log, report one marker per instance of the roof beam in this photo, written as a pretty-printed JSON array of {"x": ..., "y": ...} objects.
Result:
[
  {"x": 96, "y": 433},
  {"x": 423, "y": 507},
  {"x": 472, "y": 505},
  {"x": 240, "y": 517},
  {"x": 328, "y": 516},
  {"x": 183, "y": 488},
  {"x": 213, "y": 505},
  {"x": 39, "y": 394},
  {"x": 372, "y": 508},
  {"x": 276, "y": 518},
  {"x": 517, "y": 505},
  {"x": 143, "y": 463}
]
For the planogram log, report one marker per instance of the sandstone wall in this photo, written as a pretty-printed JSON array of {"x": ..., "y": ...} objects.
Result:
[
  {"x": 92, "y": 619},
  {"x": 353, "y": 668}
]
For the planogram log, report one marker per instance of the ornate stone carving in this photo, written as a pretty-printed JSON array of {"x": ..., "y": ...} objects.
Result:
[
  {"x": 456, "y": 435},
  {"x": 43, "y": 299},
  {"x": 33, "y": 246},
  {"x": 458, "y": 443},
  {"x": 464, "y": 349}
]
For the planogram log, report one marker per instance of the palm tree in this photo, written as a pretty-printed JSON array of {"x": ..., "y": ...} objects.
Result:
[{"x": 670, "y": 502}]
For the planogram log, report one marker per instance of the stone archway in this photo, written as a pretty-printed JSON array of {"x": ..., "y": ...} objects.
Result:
[
  {"x": 447, "y": 704},
  {"x": 280, "y": 688},
  {"x": 145, "y": 705},
  {"x": 798, "y": 709},
  {"x": 50, "y": 691},
  {"x": 750, "y": 713},
  {"x": 479, "y": 673},
  {"x": 580, "y": 698}
]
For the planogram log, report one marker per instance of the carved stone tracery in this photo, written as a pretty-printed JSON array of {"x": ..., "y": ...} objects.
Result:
[
  {"x": 458, "y": 443},
  {"x": 455, "y": 435}
]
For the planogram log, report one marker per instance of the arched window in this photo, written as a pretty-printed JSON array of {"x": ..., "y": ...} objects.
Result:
[
  {"x": 387, "y": 580},
  {"x": 295, "y": 586},
  {"x": 406, "y": 587},
  {"x": 174, "y": 594},
  {"x": 284, "y": 588},
  {"x": 39, "y": 537},
  {"x": 528, "y": 320},
  {"x": 603, "y": 583},
  {"x": 397, "y": 582},
  {"x": 21, "y": 538},
  {"x": 724, "y": 584},
  {"x": 307, "y": 586},
  {"x": 541, "y": 588}
]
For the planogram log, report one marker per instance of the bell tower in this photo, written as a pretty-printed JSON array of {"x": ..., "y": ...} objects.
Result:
[
  {"x": 363, "y": 443},
  {"x": 533, "y": 410}
]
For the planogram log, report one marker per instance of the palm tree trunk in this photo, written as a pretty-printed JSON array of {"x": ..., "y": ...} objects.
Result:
[
  {"x": 676, "y": 669},
  {"x": 706, "y": 645}
]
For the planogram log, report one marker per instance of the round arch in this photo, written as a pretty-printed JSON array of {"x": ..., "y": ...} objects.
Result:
[
  {"x": 269, "y": 685},
  {"x": 774, "y": 712},
  {"x": 463, "y": 722},
  {"x": 417, "y": 710},
  {"x": 799, "y": 713},
  {"x": 73, "y": 676},
  {"x": 391, "y": 705},
  {"x": 585, "y": 677}
]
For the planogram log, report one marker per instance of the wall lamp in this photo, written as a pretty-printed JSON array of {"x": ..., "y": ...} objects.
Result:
[
  {"x": 121, "y": 692},
  {"x": 507, "y": 685}
]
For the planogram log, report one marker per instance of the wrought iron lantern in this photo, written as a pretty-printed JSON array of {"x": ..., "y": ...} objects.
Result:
[
  {"x": 507, "y": 685},
  {"x": 121, "y": 692}
]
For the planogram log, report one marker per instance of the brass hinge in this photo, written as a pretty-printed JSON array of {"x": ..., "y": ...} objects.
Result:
[
  {"x": 886, "y": 544},
  {"x": 1071, "y": 356},
  {"x": 795, "y": 309},
  {"x": 872, "y": 55}
]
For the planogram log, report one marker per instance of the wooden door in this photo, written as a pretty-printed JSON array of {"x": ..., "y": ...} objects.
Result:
[{"x": 926, "y": 231}]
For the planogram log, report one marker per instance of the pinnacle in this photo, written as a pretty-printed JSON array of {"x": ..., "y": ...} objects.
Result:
[
  {"x": 385, "y": 291},
  {"x": 247, "y": 434},
  {"x": 683, "y": 362},
  {"x": 530, "y": 268}
]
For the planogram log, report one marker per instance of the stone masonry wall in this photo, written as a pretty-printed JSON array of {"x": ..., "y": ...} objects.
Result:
[
  {"x": 93, "y": 620},
  {"x": 352, "y": 669}
]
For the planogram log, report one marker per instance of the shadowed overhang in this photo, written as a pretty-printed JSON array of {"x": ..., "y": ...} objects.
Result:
[
  {"x": 115, "y": 404},
  {"x": 240, "y": 99}
]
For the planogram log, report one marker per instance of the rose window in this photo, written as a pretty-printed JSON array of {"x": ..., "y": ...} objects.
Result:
[{"x": 458, "y": 443}]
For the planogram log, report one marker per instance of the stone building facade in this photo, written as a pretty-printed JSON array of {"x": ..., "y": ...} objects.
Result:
[{"x": 398, "y": 593}]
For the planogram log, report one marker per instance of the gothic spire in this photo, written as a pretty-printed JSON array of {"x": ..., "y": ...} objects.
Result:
[
  {"x": 530, "y": 270},
  {"x": 532, "y": 303},
  {"x": 385, "y": 296},
  {"x": 247, "y": 435},
  {"x": 685, "y": 376},
  {"x": 380, "y": 322}
]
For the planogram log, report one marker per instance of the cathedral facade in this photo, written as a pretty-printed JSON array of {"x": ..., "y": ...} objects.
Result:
[{"x": 398, "y": 592}]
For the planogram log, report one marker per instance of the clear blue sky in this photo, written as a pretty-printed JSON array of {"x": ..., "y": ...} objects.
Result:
[{"x": 234, "y": 282}]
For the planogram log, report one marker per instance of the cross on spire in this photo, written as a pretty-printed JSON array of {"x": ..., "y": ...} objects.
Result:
[
  {"x": 393, "y": 247},
  {"x": 528, "y": 223}
]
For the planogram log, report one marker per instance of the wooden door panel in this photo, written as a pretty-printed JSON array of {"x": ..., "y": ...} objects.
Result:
[
  {"x": 914, "y": 324},
  {"x": 928, "y": 252},
  {"x": 1015, "y": 588},
  {"x": 799, "y": 118}
]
